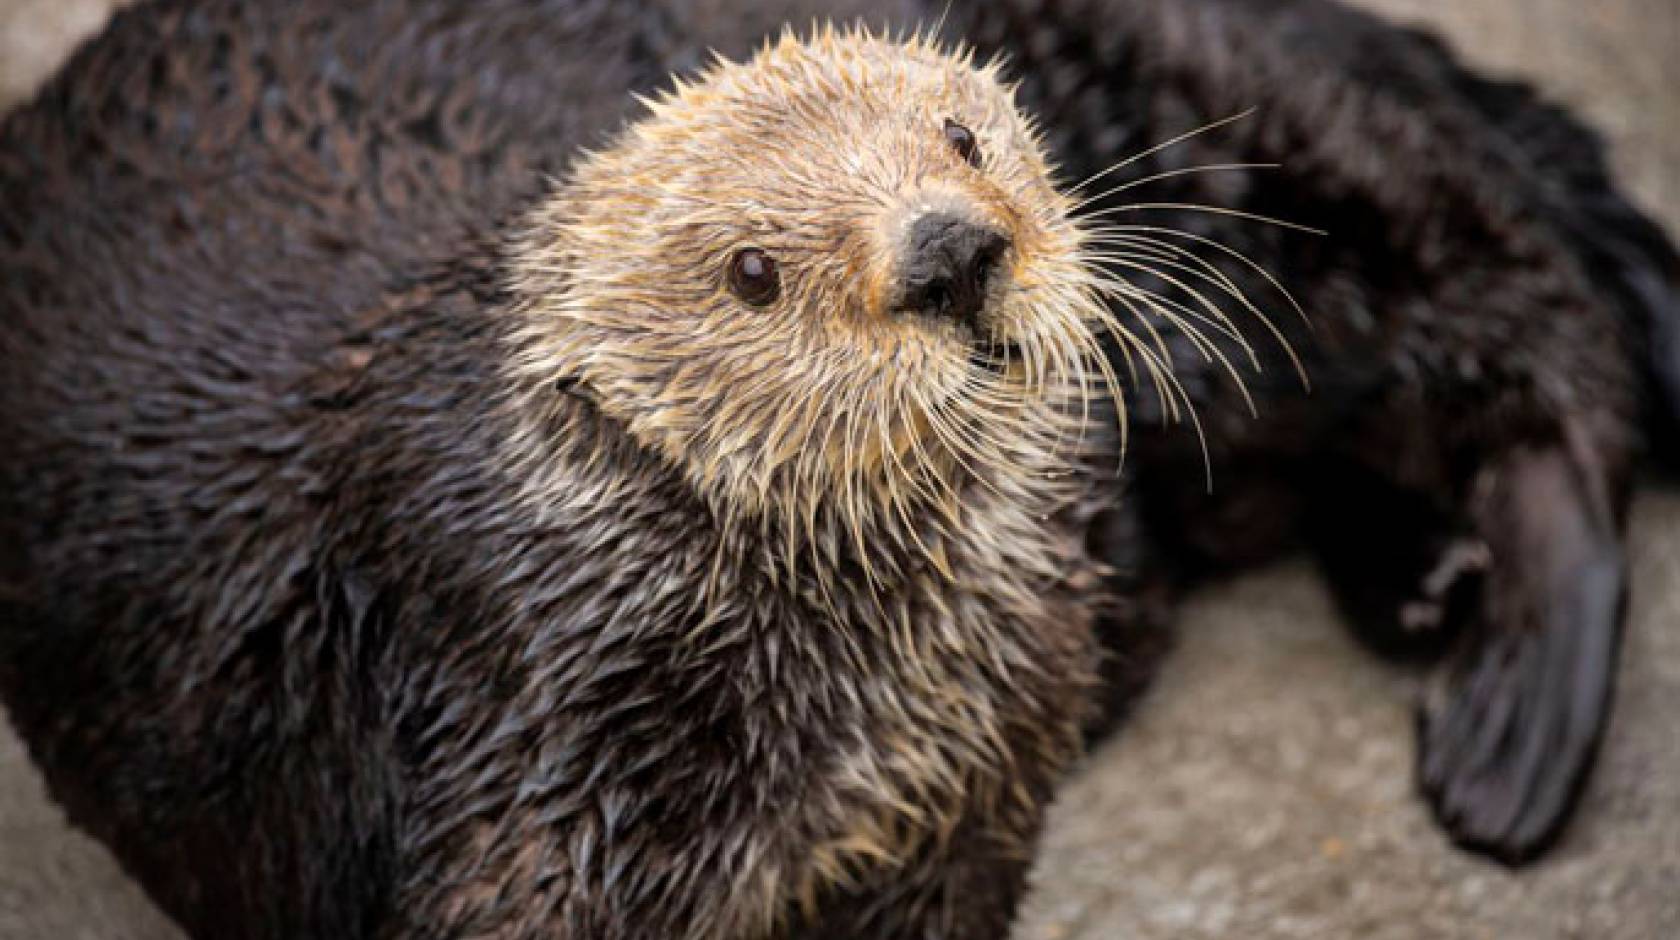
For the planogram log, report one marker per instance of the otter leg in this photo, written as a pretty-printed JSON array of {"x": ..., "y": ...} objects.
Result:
[{"x": 1524, "y": 591}]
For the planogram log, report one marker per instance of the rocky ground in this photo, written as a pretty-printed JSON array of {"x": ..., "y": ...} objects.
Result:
[{"x": 1264, "y": 789}]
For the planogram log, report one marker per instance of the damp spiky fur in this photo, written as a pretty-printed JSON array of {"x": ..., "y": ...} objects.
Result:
[
  {"x": 359, "y": 578},
  {"x": 508, "y": 577},
  {"x": 825, "y": 410}
]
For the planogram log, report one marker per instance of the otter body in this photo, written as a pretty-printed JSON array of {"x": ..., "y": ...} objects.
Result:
[
  {"x": 332, "y": 622},
  {"x": 338, "y": 607}
]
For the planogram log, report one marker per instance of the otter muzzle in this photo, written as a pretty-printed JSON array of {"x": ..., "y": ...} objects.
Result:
[{"x": 949, "y": 262}]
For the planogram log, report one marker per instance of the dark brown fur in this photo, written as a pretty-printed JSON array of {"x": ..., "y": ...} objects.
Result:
[
  {"x": 274, "y": 626},
  {"x": 283, "y": 624}
]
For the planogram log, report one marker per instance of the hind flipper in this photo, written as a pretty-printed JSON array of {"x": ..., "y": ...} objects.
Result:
[
  {"x": 1512, "y": 728},
  {"x": 1521, "y": 590}
]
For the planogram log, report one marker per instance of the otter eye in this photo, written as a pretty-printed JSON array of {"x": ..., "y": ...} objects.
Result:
[
  {"x": 752, "y": 276},
  {"x": 963, "y": 141}
]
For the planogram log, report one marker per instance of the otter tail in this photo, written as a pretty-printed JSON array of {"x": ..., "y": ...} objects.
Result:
[{"x": 1623, "y": 250}]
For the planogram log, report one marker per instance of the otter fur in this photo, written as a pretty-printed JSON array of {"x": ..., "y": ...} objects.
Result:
[
  {"x": 408, "y": 546},
  {"x": 354, "y": 583}
]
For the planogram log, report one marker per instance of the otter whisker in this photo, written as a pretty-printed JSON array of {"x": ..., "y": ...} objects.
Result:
[
  {"x": 957, "y": 447},
  {"x": 1211, "y": 272},
  {"x": 1129, "y": 343},
  {"x": 1125, "y": 351},
  {"x": 993, "y": 432},
  {"x": 1186, "y": 315},
  {"x": 947, "y": 500},
  {"x": 1212, "y": 243},
  {"x": 1071, "y": 356},
  {"x": 1198, "y": 207},
  {"x": 1087, "y": 399},
  {"x": 1174, "y": 312},
  {"x": 1179, "y": 259},
  {"x": 1157, "y": 360},
  {"x": 1216, "y": 318},
  {"x": 1067, "y": 354},
  {"x": 1050, "y": 347},
  {"x": 1033, "y": 360},
  {"x": 1209, "y": 350},
  {"x": 1122, "y": 416},
  {"x": 1160, "y": 369},
  {"x": 913, "y": 473},
  {"x": 900, "y": 505},
  {"x": 977, "y": 437},
  {"x": 1166, "y": 175},
  {"x": 1096, "y": 280},
  {"x": 1187, "y": 135}
]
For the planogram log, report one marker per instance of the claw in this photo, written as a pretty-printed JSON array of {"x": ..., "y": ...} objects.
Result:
[{"x": 1462, "y": 559}]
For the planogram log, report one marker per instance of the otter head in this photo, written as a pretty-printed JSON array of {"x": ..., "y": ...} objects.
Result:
[{"x": 836, "y": 274}]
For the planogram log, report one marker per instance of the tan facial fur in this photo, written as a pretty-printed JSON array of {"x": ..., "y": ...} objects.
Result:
[{"x": 821, "y": 153}]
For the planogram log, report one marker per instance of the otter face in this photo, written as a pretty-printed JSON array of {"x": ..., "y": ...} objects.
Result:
[{"x": 838, "y": 270}]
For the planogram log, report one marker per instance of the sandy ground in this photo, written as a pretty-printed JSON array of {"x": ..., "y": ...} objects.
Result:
[{"x": 1264, "y": 790}]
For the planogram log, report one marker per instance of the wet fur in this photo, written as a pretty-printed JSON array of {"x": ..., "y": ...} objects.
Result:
[
  {"x": 348, "y": 605},
  {"x": 280, "y": 628}
]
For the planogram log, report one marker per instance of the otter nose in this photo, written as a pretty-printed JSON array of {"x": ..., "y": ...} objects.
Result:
[{"x": 948, "y": 263}]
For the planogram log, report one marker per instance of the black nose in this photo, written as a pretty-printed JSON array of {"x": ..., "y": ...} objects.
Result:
[{"x": 947, "y": 266}]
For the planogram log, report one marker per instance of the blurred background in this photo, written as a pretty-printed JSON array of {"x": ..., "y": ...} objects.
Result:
[{"x": 1264, "y": 789}]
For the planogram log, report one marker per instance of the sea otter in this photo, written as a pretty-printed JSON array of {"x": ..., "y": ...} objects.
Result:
[
  {"x": 714, "y": 543},
  {"x": 665, "y": 556}
]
